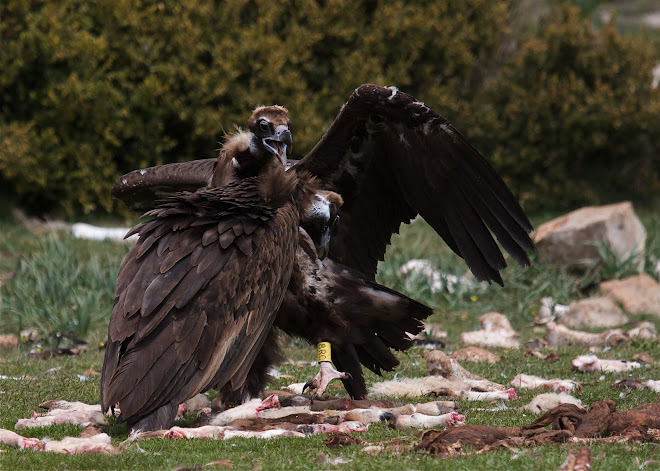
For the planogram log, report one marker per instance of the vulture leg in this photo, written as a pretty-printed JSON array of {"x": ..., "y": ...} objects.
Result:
[
  {"x": 159, "y": 419},
  {"x": 326, "y": 374}
]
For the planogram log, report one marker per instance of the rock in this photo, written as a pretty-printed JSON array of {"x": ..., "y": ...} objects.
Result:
[
  {"x": 638, "y": 294},
  {"x": 497, "y": 332},
  {"x": 573, "y": 238},
  {"x": 592, "y": 313},
  {"x": 8, "y": 341}
]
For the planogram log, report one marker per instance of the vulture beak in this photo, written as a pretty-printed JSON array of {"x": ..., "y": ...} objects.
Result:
[
  {"x": 278, "y": 142},
  {"x": 324, "y": 245}
]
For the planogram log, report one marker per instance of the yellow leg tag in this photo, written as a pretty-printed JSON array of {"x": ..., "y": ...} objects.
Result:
[{"x": 323, "y": 351}]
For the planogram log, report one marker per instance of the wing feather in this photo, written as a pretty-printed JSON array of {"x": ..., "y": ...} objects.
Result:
[{"x": 423, "y": 166}]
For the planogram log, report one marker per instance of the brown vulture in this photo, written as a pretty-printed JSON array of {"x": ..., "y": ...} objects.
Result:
[
  {"x": 390, "y": 157},
  {"x": 197, "y": 295}
]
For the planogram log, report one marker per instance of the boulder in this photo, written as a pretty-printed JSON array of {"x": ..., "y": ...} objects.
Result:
[
  {"x": 638, "y": 294},
  {"x": 573, "y": 238},
  {"x": 593, "y": 313}
]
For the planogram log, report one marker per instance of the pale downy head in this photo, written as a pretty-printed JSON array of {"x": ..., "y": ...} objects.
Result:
[{"x": 261, "y": 148}]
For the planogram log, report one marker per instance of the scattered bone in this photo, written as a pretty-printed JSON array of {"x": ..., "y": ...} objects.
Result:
[
  {"x": 532, "y": 382},
  {"x": 559, "y": 335},
  {"x": 438, "y": 363},
  {"x": 415, "y": 387},
  {"x": 14, "y": 440},
  {"x": 96, "y": 443},
  {"x": 475, "y": 354},
  {"x": 64, "y": 412},
  {"x": 588, "y": 363},
  {"x": 550, "y": 357},
  {"x": 577, "y": 461},
  {"x": 213, "y": 432},
  {"x": 489, "y": 395},
  {"x": 643, "y": 330},
  {"x": 99, "y": 443},
  {"x": 547, "y": 401},
  {"x": 247, "y": 410},
  {"x": 436, "y": 407},
  {"x": 344, "y": 427},
  {"x": 632, "y": 383},
  {"x": 368, "y": 416},
  {"x": 416, "y": 420},
  {"x": 496, "y": 332}
]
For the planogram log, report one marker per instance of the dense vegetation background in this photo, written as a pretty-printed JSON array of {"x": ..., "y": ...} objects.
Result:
[{"x": 90, "y": 90}]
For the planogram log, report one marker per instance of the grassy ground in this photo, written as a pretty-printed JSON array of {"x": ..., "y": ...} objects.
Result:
[{"x": 82, "y": 287}]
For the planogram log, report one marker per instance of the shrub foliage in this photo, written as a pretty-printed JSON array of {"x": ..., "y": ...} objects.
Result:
[
  {"x": 95, "y": 89},
  {"x": 572, "y": 114}
]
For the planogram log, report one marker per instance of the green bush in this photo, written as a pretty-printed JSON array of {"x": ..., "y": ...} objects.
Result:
[
  {"x": 572, "y": 115},
  {"x": 95, "y": 89}
]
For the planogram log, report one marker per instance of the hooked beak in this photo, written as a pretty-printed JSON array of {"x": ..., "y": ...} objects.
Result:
[
  {"x": 278, "y": 142},
  {"x": 323, "y": 247}
]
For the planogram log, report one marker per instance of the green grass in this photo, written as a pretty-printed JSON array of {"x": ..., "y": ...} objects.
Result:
[{"x": 42, "y": 265}]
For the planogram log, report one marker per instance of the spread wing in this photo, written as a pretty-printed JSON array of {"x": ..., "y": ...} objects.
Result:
[
  {"x": 195, "y": 299},
  {"x": 391, "y": 157},
  {"x": 141, "y": 189}
]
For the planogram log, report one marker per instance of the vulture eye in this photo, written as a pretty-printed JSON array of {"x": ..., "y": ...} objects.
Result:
[{"x": 264, "y": 126}]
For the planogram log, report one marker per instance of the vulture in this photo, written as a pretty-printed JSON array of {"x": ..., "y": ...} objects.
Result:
[
  {"x": 386, "y": 158},
  {"x": 197, "y": 295}
]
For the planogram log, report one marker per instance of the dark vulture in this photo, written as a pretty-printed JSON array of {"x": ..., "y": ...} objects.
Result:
[
  {"x": 197, "y": 295},
  {"x": 390, "y": 157}
]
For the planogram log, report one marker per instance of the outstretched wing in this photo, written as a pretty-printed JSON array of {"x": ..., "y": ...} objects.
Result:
[
  {"x": 391, "y": 157},
  {"x": 142, "y": 188},
  {"x": 196, "y": 297}
]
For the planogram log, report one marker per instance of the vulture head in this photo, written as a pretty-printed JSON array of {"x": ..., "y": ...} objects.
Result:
[
  {"x": 320, "y": 219},
  {"x": 269, "y": 126},
  {"x": 249, "y": 153}
]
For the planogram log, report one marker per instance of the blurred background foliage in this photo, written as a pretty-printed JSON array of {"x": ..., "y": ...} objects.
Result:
[{"x": 92, "y": 89}]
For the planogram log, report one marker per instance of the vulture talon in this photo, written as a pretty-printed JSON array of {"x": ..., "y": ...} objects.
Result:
[{"x": 326, "y": 374}]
